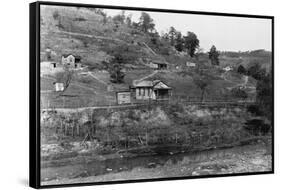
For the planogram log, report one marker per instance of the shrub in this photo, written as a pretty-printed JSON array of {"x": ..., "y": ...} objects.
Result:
[
  {"x": 56, "y": 15},
  {"x": 241, "y": 69},
  {"x": 254, "y": 109},
  {"x": 239, "y": 93},
  {"x": 257, "y": 127}
]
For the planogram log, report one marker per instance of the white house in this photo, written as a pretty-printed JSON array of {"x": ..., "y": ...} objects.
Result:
[
  {"x": 190, "y": 64},
  {"x": 154, "y": 90},
  {"x": 228, "y": 68},
  {"x": 59, "y": 86},
  {"x": 71, "y": 60}
]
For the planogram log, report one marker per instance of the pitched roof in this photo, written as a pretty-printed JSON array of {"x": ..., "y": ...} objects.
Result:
[
  {"x": 156, "y": 84},
  {"x": 161, "y": 85},
  {"x": 144, "y": 83},
  {"x": 66, "y": 55},
  {"x": 159, "y": 62}
]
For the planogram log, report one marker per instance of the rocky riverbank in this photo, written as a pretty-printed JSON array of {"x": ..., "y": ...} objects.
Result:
[{"x": 244, "y": 159}]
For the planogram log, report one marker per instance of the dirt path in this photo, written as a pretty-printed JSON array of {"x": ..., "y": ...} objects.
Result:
[
  {"x": 147, "y": 47},
  {"x": 92, "y": 75},
  {"x": 90, "y": 36},
  {"x": 74, "y": 84},
  {"x": 244, "y": 82},
  {"x": 145, "y": 77}
]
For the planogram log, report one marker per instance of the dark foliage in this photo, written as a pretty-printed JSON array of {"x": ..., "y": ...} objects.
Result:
[
  {"x": 239, "y": 93},
  {"x": 116, "y": 73},
  {"x": 264, "y": 98},
  {"x": 241, "y": 70},
  {"x": 254, "y": 109},
  {"x": 179, "y": 42},
  {"x": 172, "y": 35},
  {"x": 120, "y": 18},
  {"x": 256, "y": 71},
  {"x": 265, "y": 95},
  {"x": 257, "y": 127},
  {"x": 191, "y": 43},
  {"x": 56, "y": 15},
  {"x": 146, "y": 23},
  {"x": 214, "y": 55}
]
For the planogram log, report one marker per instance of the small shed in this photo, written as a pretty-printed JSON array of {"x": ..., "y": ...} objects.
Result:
[
  {"x": 190, "y": 64},
  {"x": 59, "y": 86},
  {"x": 123, "y": 97}
]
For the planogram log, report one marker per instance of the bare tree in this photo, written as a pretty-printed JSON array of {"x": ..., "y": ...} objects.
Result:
[{"x": 65, "y": 77}]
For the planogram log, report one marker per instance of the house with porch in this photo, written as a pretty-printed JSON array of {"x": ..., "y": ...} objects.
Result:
[
  {"x": 151, "y": 90},
  {"x": 71, "y": 60}
]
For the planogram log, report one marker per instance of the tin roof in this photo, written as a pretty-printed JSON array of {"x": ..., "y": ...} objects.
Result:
[
  {"x": 156, "y": 84},
  {"x": 144, "y": 83}
]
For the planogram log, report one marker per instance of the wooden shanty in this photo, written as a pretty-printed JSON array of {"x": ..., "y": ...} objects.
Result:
[{"x": 154, "y": 90}]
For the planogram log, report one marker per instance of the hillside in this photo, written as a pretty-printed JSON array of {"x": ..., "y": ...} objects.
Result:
[
  {"x": 82, "y": 31},
  {"x": 87, "y": 33}
]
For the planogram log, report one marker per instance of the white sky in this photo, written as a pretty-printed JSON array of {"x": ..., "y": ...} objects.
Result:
[{"x": 226, "y": 33}]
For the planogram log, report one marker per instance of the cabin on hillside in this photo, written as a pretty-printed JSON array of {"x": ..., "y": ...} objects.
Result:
[
  {"x": 190, "y": 64},
  {"x": 49, "y": 54},
  {"x": 151, "y": 90},
  {"x": 159, "y": 65},
  {"x": 59, "y": 86},
  {"x": 228, "y": 68},
  {"x": 48, "y": 65},
  {"x": 71, "y": 60},
  {"x": 123, "y": 97}
]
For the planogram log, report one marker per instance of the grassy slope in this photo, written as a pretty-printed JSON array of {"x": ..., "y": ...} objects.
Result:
[
  {"x": 91, "y": 50},
  {"x": 87, "y": 91},
  {"x": 56, "y": 33}
]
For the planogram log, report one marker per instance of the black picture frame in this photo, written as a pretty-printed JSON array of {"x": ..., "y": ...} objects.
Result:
[{"x": 34, "y": 99}]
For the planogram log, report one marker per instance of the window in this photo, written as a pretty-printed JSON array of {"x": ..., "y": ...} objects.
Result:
[{"x": 147, "y": 91}]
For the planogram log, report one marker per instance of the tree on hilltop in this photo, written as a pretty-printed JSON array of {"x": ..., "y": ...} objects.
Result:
[
  {"x": 241, "y": 70},
  {"x": 191, "y": 43},
  {"x": 172, "y": 35},
  {"x": 146, "y": 23},
  {"x": 214, "y": 55},
  {"x": 179, "y": 42}
]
